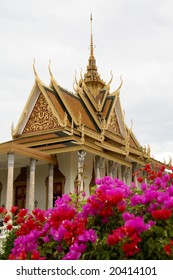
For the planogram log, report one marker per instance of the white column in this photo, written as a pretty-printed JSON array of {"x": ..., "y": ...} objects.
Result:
[
  {"x": 120, "y": 177},
  {"x": 10, "y": 179},
  {"x": 31, "y": 190},
  {"x": 27, "y": 185},
  {"x": 125, "y": 174},
  {"x": 134, "y": 169},
  {"x": 50, "y": 187},
  {"x": 115, "y": 170},
  {"x": 128, "y": 175},
  {"x": 97, "y": 162},
  {"x": 110, "y": 168}
]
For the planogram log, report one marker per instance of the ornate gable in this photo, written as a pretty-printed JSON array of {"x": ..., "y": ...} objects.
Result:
[
  {"x": 114, "y": 125},
  {"x": 41, "y": 118}
]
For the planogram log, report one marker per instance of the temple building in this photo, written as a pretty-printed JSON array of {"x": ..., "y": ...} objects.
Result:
[{"x": 65, "y": 140}]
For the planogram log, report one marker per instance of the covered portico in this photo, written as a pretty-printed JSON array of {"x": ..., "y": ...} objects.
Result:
[{"x": 13, "y": 155}]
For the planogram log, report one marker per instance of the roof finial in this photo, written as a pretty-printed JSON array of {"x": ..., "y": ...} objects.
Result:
[
  {"x": 34, "y": 67},
  {"x": 50, "y": 72},
  {"x": 91, "y": 76},
  {"x": 91, "y": 43}
]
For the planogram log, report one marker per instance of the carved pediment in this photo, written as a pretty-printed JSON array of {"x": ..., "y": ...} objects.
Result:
[
  {"x": 41, "y": 117},
  {"x": 113, "y": 124}
]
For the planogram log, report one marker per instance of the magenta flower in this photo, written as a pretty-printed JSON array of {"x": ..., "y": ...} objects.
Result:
[
  {"x": 143, "y": 186},
  {"x": 64, "y": 200},
  {"x": 168, "y": 203},
  {"x": 162, "y": 196},
  {"x": 46, "y": 239},
  {"x": 72, "y": 255},
  {"x": 58, "y": 235},
  {"x": 128, "y": 216},
  {"x": 138, "y": 224},
  {"x": 78, "y": 247},
  {"x": 170, "y": 190},
  {"x": 150, "y": 195},
  {"x": 136, "y": 199},
  {"x": 158, "y": 181},
  {"x": 88, "y": 235}
]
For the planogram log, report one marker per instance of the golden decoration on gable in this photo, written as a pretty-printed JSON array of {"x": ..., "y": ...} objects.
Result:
[
  {"x": 12, "y": 129},
  {"x": 65, "y": 120},
  {"x": 41, "y": 117},
  {"x": 146, "y": 151},
  {"x": 170, "y": 161},
  {"x": 82, "y": 135},
  {"x": 79, "y": 119},
  {"x": 99, "y": 106},
  {"x": 127, "y": 142},
  {"x": 113, "y": 125}
]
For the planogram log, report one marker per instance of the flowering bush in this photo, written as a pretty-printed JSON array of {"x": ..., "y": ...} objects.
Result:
[{"x": 116, "y": 222}]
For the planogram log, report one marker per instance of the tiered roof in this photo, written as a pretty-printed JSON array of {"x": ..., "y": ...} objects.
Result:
[{"x": 55, "y": 120}]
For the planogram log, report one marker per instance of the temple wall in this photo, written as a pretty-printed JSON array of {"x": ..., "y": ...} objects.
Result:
[{"x": 68, "y": 165}]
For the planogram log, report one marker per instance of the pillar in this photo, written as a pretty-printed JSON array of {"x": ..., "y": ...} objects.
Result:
[
  {"x": 115, "y": 170},
  {"x": 110, "y": 168},
  {"x": 120, "y": 171},
  {"x": 10, "y": 179},
  {"x": 31, "y": 190},
  {"x": 27, "y": 185},
  {"x": 97, "y": 162},
  {"x": 134, "y": 176},
  {"x": 50, "y": 186}
]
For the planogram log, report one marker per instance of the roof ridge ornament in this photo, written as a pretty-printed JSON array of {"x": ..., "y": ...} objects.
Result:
[
  {"x": 81, "y": 75},
  {"x": 51, "y": 75},
  {"x": 33, "y": 65},
  {"x": 37, "y": 79},
  {"x": 50, "y": 72},
  {"x": 107, "y": 86},
  {"x": 120, "y": 83}
]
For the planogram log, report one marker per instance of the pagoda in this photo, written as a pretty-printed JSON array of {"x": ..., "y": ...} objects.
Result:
[{"x": 65, "y": 140}]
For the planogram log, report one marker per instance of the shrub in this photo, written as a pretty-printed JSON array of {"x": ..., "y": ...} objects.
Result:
[{"x": 116, "y": 222}]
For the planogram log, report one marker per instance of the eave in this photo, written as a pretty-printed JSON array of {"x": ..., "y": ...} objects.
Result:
[
  {"x": 11, "y": 147},
  {"x": 108, "y": 155}
]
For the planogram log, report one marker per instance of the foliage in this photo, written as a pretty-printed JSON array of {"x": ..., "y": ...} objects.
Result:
[
  {"x": 8, "y": 245},
  {"x": 115, "y": 222}
]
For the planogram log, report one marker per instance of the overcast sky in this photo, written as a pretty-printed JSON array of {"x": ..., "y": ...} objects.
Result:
[{"x": 133, "y": 38}]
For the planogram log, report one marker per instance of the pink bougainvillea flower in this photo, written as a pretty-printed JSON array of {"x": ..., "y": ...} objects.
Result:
[
  {"x": 140, "y": 179},
  {"x": 9, "y": 226},
  {"x": 7, "y": 218},
  {"x": 13, "y": 209},
  {"x": 162, "y": 214},
  {"x": 131, "y": 248},
  {"x": 167, "y": 249}
]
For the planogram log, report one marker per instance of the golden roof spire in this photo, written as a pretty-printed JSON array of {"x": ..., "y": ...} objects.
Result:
[
  {"x": 91, "y": 42},
  {"x": 92, "y": 77}
]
